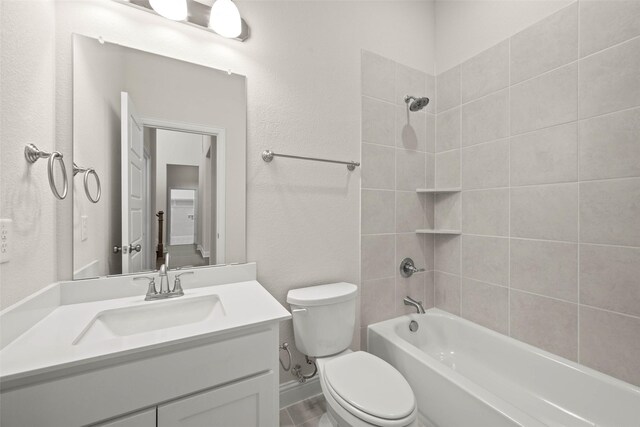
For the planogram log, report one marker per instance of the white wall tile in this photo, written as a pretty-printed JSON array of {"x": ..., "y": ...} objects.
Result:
[
  {"x": 447, "y": 211},
  {"x": 409, "y": 81},
  {"x": 486, "y": 212},
  {"x": 410, "y": 170},
  {"x": 486, "y": 119},
  {"x": 447, "y": 253},
  {"x": 610, "y": 80},
  {"x": 609, "y": 343},
  {"x": 378, "y": 211},
  {"x": 378, "y": 121},
  {"x": 486, "y": 259},
  {"x": 605, "y": 23},
  {"x": 547, "y": 156},
  {"x": 378, "y": 256},
  {"x": 545, "y": 212},
  {"x": 378, "y": 76},
  {"x": 410, "y": 211},
  {"x": 610, "y": 278},
  {"x": 610, "y": 212},
  {"x": 548, "y": 100},
  {"x": 411, "y": 129},
  {"x": 448, "y": 89},
  {"x": 555, "y": 331},
  {"x": 447, "y": 290},
  {"x": 610, "y": 146},
  {"x": 378, "y": 167},
  {"x": 485, "y": 73},
  {"x": 377, "y": 300},
  {"x": 545, "y": 268},
  {"x": 448, "y": 130},
  {"x": 448, "y": 169},
  {"x": 486, "y": 165},
  {"x": 546, "y": 45},
  {"x": 485, "y": 304}
]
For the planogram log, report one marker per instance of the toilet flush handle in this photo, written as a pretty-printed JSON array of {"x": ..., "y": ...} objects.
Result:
[{"x": 299, "y": 310}]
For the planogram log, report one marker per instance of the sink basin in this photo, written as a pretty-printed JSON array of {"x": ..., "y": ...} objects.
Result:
[{"x": 151, "y": 317}]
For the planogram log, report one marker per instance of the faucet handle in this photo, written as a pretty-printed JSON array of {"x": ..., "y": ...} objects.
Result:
[
  {"x": 151, "y": 290},
  {"x": 177, "y": 284}
]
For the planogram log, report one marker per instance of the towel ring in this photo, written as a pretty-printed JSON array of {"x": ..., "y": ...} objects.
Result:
[
  {"x": 89, "y": 171},
  {"x": 33, "y": 154}
]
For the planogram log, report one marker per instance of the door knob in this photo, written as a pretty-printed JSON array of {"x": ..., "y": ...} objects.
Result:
[{"x": 136, "y": 248}]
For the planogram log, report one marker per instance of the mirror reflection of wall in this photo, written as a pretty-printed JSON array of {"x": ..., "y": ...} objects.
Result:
[{"x": 150, "y": 125}]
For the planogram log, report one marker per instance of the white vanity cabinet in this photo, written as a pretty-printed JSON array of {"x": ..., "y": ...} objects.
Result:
[
  {"x": 139, "y": 419},
  {"x": 247, "y": 403}
]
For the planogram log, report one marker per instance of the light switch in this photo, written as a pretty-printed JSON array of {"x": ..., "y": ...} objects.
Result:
[
  {"x": 6, "y": 243},
  {"x": 84, "y": 227}
]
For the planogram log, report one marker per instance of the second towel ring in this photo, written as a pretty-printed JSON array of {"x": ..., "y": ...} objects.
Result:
[
  {"x": 33, "y": 154},
  {"x": 88, "y": 171}
]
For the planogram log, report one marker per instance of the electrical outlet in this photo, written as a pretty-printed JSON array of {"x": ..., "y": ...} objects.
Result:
[
  {"x": 84, "y": 227},
  {"x": 6, "y": 243}
]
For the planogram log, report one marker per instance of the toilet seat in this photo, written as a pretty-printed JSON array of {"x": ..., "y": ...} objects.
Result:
[{"x": 370, "y": 389}]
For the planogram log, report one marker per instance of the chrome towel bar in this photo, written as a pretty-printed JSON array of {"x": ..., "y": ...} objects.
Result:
[
  {"x": 268, "y": 156},
  {"x": 89, "y": 171},
  {"x": 33, "y": 154}
]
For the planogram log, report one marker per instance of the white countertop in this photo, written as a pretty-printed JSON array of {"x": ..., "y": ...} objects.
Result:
[{"x": 47, "y": 347}]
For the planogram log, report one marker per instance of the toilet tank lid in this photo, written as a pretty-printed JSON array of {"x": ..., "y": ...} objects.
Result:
[{"x": 322, "y": 294}]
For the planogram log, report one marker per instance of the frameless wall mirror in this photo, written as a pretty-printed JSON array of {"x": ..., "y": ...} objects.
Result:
[{"x": 167, "y": 141}]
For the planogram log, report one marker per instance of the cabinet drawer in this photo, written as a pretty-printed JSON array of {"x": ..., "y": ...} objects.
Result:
[{"x": 246, "y": 403}]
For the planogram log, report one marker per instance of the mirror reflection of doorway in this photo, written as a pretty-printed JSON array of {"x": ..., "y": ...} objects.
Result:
[{"x": 182, "y": 214}]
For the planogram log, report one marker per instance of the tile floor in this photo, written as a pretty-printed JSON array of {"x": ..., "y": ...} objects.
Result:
[{"x": 306, "y": 413}]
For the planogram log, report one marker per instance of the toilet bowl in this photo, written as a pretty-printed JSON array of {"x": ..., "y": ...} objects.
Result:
[{"x": 360, "y": 388}]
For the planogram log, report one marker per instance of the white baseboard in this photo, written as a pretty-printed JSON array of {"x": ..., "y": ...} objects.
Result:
[{"x": 293, "y": 391}]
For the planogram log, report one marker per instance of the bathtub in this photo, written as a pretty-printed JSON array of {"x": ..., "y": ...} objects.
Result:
[{"x": 466, "y": 375}]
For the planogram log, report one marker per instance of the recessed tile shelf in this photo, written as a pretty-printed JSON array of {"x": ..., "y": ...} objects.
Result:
[
  {"x": 437, "y": 231},
  {"x": 437, "y": 190}
]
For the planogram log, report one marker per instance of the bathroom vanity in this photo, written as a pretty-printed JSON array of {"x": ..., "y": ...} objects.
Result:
[{"x": 94, "y": 352}]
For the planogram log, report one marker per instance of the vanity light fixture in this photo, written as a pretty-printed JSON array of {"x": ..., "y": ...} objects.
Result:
[
  {"x": 176, "y": 10},
  {"x": 225, "y": 19},
  {"x": 220, "y": 17}
]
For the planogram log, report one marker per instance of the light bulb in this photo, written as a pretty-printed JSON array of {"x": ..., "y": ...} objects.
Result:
[
  {"x": 225, "y": 19},
  {"x": 175, "y": 10}
]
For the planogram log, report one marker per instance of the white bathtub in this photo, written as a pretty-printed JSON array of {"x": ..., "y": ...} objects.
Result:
[{"x": 466, "y": 375}]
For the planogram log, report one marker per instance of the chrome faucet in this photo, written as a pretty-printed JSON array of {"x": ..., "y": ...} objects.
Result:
[
  {"x": 164, "y": 279},
  {"x": 165, "y": 291},
  {"x": 416, "y": 304}
]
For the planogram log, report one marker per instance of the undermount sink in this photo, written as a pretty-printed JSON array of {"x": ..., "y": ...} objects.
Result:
[{"x": 151, "y": 317}]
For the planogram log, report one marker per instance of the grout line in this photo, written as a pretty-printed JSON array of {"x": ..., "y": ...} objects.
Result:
[
  {"x": 578, "y": 189},
  {"x": 460, "y": 186},
  {"x": 509, "y": 194},
  {"x": 604, "y": 49}
]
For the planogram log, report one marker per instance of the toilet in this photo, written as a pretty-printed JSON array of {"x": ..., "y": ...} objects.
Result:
[{"x": 360, "y": 388}]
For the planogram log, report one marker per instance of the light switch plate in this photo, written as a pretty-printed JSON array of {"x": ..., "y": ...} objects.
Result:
[
  {"x": 84, "y": 227},
  {"x": 6, "y": 243}
]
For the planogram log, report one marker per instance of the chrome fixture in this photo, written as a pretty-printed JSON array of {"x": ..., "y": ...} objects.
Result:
[
  {"x": 164, "y": 278},
  {"x": 416, "y": 304},
  {"x": 198, "y": 15},
  {"x": 407, "y": 268},
  {"x": 153, "y": 293},
  {"x": 297, "y": 370},
  {"x": 268, "y": 156},
  {"x": 413, "y": 326},
  {"x": 88, "y": 171},
  {"x": 416, "y": 103},
  {"x": 33, "y": 154},
  {"x": 285, "y": 346},
  {"x": 177, "y": 284}
]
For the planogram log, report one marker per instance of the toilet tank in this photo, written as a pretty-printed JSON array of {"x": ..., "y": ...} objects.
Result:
[{"x": 324, "y": 318}]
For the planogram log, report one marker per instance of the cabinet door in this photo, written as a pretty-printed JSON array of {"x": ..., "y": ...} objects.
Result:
[
  {"x": 246, "y": 403},
  {"x": 139, "y": 419}
]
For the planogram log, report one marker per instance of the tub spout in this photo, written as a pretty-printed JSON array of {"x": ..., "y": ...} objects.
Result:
[{"x": 416, "y": 304}]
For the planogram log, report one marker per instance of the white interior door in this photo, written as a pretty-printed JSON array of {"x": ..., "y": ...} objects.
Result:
[{"x": 132, "y": 144}]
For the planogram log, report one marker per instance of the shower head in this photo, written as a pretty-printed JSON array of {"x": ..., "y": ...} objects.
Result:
[{"x": 416, "y": 104}]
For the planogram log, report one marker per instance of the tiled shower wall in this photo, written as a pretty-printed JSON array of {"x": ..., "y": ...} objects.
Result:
[
  {"x": 542, "y": 132},
  {"x": 397, "y": 158}
]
